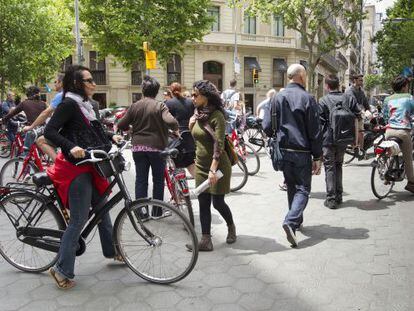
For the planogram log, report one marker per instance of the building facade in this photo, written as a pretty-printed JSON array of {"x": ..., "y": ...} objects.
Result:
[{"x": 267, "y": 47}]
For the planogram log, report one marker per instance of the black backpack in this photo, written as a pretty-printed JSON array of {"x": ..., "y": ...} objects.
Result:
[{"x": 342, "y": 123}]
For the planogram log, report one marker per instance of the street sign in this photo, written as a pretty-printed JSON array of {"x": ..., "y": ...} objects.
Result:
[
  {"x": 237, "y": 66},
  {"x": 151, "y": 59}
]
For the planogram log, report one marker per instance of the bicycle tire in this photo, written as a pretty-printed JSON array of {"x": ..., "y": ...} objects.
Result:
[
  {"x": 5, "y": 148},
  {"x": 15, "y": 251},
  {"x": 11, "y": 172},
  {"x": 349, "y": 155},
  {"x": 252, "y": 160},
  {"x": 236, "y": 185},
  {"x": 189, "y": 209},
  {"x": 254, "y": 133},
  {"x": 375, "y": 171},
  {"x": 174, "y": 231}
]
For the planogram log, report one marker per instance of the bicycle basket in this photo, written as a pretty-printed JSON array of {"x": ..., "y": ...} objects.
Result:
[{"x": 105, "y": 169}]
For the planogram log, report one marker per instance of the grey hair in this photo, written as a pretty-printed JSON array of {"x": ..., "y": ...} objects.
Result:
[
  {"x": 270, "y": 93},
  {"x": 294, "y": 70}
]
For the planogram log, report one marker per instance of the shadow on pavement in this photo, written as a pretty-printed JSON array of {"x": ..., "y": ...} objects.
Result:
[
  {"x": 320, "y": 233},
  {"x": 257, "y": 245},
  {"x": 322, "y": 195}
]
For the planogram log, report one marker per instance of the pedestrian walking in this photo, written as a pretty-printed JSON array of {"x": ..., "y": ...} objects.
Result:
[
  {"x": 182, "y": 109},
  {"x": 208, "y": 128},
  {"x": 336, "y": 110},
  {"x": 300, "y": 140},
  {"x": 399, "y": 111},
  {"x": 11, "y": 125},
  {"x": 150, "y": 120}
]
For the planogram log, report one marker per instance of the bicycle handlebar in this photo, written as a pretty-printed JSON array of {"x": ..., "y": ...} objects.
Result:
[{"x": 94, "y": 153}]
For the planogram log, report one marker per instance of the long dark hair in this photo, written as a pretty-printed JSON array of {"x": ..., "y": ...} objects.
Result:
[
  {"x": 73, "y": 81},
  {"x": 399, "y": 83},
  {"x": 209, "y": 90}
]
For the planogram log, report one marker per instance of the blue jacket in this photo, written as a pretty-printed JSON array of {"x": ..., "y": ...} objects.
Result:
[{"x": 298, "y": 126}]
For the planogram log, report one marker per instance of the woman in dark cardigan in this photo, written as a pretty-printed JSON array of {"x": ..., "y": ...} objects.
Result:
[
  {"x": 74, "y": 127},
  {"x": 208, "y": 129}
]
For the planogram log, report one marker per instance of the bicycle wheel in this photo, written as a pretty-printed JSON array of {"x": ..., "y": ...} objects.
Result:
[
  {"x": 4, "y": 148},
  {"x": 255, "y": 137},
  {"x": 349, "y": 155},
  {"x": 17, "y": 210},
  {"x": 155, "y": 248},
  {"x": 252, "y": 160},
  {"x": 13, "y": 171},
  {"x": 239, "y": 175},
  {"x": 380, "y": 186}
]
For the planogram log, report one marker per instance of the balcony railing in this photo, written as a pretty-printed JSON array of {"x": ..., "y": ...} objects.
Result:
[
  {"x": 330, "y": 60},
  {"x": 250, "y": 39},
  {"x": 136, "y": 77},
  {"x": 99, "y": 76}
]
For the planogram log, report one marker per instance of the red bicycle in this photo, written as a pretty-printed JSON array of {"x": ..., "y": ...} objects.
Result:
[
  {"x": 177, "y": 184},
  {"x": 19, "y": 169}
]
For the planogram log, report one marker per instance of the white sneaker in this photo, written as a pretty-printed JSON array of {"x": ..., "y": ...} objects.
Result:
[{"x": 164, "y": 214}]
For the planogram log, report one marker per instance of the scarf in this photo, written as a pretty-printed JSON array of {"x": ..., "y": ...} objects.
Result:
[
  {"x": 85, "y": 106},
  {"x": 202, "y": 115}
]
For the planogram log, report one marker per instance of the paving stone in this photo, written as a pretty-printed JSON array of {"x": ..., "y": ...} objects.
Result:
[
  {"x": 256, "y": 301},
  {"x": 163, "y": 300},
  {"x": 223, "y": 295},
  {"x": 194, "y": 304},
  {"x": 40, "y": 305}
]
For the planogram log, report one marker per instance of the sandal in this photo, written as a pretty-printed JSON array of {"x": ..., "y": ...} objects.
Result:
[
  {"x": 118, "y": 258},
  {"x": 64, "y": 283}
]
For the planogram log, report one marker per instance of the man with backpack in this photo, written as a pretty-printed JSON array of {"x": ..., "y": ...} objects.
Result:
[
  {"x": 337, "y": 114},
  {"x": 231, "y": 96}
]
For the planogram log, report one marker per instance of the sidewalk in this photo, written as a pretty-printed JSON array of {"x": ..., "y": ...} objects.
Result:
[{"x": 359, "y": 257}]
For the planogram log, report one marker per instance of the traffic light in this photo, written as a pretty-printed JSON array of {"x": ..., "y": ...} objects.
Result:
[{"x": 255, "y": 76}]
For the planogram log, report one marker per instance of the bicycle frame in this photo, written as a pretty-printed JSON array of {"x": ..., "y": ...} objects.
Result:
[{"x": 175, "y": 184}]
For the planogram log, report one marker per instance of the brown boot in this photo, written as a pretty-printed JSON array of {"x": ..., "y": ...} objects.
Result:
[
  {"x": 231, "y": 235},
  {"x": 410, "y": 187},
  {"x": 205, "y": 244}
]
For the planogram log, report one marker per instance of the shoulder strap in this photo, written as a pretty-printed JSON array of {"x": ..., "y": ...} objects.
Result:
[
  {"x": 228, "y": 97},
  {"x": 273, "y": 117}
]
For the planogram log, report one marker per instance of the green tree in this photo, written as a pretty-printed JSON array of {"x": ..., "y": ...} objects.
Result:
[
  {"x": 119, "y": 27},
  {"x": 396, "y": 39},
  {"x": 315, "y": 21},
  {"x": 35, "y": 35}
]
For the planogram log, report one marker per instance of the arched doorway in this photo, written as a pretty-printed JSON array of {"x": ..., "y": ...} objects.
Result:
[{"x": 213, "y": 71}]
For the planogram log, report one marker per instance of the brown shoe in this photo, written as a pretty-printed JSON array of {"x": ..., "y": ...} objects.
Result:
[
  {"x": 205, "y": 244},
  {"x": 231, "y": 235},
  {"x": 410, "y": 187}
]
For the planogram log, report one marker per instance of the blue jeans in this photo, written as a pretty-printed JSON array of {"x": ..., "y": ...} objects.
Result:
[
  {"x": 297, "y": 170},
  {"x": 11, "y": 132},
  {"x": 29, "y": 139},
  {"x": 82, "y": 194},
  {"x": 143, "y": 162}
]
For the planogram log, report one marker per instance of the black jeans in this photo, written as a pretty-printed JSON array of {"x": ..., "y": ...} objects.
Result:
[
  {"x": 333, "y": 161},
  {"x": 143, "y": 162},
  {"x": 204, "y": 201},
  {"x": 297, "y": 170}
]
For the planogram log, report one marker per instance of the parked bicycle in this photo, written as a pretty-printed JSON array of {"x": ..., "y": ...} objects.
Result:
[
  {"x": 387, "y": 168},
  {"x": 246, "y": 152},
  {"x": 32, "y": 223},
  {"x": 255, "y": 134}
]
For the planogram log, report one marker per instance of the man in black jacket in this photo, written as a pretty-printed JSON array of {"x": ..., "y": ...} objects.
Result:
[
  {"x": 333, "y": 153},
  {"x": 300, "y": 140}
]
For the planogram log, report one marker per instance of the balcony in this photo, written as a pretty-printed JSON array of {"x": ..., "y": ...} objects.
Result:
[
  {"x": 249, "y": 40},
  {"x": 99, "y": 76},
  {"x": 331, "y": 61}
]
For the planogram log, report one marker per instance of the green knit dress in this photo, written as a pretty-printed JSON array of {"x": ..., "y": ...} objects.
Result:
[{"x": 204, "y": 153}]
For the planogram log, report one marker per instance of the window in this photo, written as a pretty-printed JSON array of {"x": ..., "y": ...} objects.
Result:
[
  {"x": 279, "y": 70},
  {"x": 136, "y": 74},
  {"x": 249, "y": 24},
  {"x": 248, "y": 71},
  {"x": 213, "y": 71},
  {"x": 174, "y": 69},
  {"x": 101, "y": 99},
  {"x": 278, "y": 26},
  {"x": 98, "y": 68},
  {"x": 214, "y": 12},
  {"x": 66, "y": 63},
  {"x": 136, "y": 97}
]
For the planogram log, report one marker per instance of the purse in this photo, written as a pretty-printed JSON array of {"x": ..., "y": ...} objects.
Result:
[
  {"x": 274, "y": 150},
  {"x": 231, "y": 152}
]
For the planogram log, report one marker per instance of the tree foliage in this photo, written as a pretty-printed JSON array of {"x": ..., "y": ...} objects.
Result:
[
  {"x": 35, "y": 35},
  {"x": 396, "y": 39},
  {"x": 315, "y": 21},
  {"x": 119, "y": 27}
]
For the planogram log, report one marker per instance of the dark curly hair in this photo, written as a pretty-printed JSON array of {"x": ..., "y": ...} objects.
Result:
[
  {"x": 399, "y": 83},
  {"x": 209, "y": 90},
  {"x": 33, "y": 92}
]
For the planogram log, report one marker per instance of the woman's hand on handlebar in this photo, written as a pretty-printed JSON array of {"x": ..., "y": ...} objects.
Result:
[
  {"x": 77, "y": 152},
  {"x": 117, "y": 139}
]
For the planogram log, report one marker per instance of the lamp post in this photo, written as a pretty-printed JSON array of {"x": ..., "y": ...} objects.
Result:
[
  {"x": 412, "y": 81},
  {"x": 79, "y": 48}
]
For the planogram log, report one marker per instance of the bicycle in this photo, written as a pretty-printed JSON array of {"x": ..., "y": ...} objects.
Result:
[
  {"x": 247, "y": 153},
  {"x": 18, "y": 169},
  {"x": 177, "y": 184},
  {"x": 255, "y": 134},
  {"x": 387, "y": 168},
  {"x": 32, "y": 222}
]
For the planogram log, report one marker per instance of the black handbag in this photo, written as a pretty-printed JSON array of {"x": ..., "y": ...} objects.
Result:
[{"x": 274, "y": 150}]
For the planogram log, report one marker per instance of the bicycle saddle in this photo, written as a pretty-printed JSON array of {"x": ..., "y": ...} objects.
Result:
[
  {"x": 396, "y": 139},
  {"x": 169, "y": 153},
  {"x": 41, "y": 179}
]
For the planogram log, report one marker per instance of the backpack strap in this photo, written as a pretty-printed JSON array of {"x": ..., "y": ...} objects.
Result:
[{"x": 273, "y": 118}]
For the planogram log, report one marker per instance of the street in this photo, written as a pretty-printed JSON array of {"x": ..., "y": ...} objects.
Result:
[{"x": 358, "y": 257}]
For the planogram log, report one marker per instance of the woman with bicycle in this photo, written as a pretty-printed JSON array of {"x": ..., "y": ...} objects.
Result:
[
  {"x": 182, "y": 109},
  {"x": 398, "y": 110},
  {"x": 208, "y": 129},
  {"x": 74, "y": 128}
]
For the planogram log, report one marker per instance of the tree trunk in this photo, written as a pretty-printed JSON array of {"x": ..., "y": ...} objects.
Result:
[
  {"x": 2, "y": 89},
  {"x": 311, "y": 72}
]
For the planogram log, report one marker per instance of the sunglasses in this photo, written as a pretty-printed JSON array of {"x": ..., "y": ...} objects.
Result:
[
  {"x": 195, "y": 95},
  {"x": 90, "y": 80}
]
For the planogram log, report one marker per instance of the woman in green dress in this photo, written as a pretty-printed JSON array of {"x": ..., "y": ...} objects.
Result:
[{"x": 208, "y": 129}]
